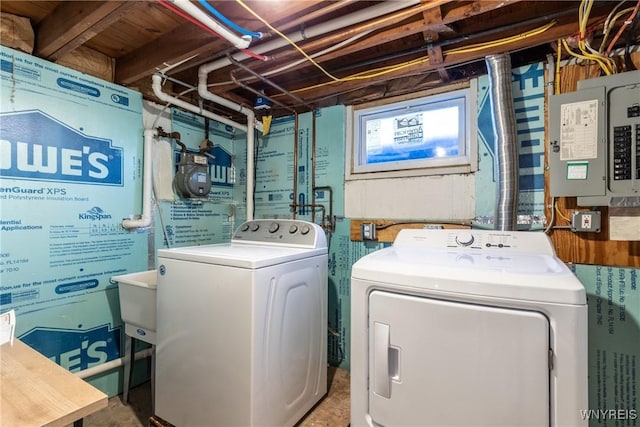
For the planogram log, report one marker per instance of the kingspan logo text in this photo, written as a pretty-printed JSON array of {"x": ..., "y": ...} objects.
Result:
[
  {"x": 94, "y": 214},
  {"x": 34, "y": 146}
]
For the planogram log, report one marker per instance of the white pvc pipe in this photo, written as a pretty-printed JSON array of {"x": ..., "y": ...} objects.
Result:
[
  {"x": 157, "y": 90},
  {"x": 376, "y": 11},
  {"x": 197, "y": 13},
  {"x": 145, "y": 218},
  {"x": 110, "y": 365},
  {"x": 205, "y": 94},
  {"x": 250, "y": 163}
]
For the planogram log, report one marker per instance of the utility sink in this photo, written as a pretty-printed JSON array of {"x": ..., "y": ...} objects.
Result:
[{"x": 137, "y": 293}]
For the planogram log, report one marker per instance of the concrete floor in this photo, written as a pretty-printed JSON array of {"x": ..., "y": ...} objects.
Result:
[{"x": 332, "y": 411}]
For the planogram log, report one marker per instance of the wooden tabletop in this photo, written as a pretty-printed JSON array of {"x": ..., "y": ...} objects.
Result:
[{"x": 35, "y": 391}]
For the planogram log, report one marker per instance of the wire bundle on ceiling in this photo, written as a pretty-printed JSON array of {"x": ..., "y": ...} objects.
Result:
[
  {"x": 377, "y": 72},
  {"x": 602, "y": 55}
]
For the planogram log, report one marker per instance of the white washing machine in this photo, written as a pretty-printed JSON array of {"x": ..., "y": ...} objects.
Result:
[
  {"x": 467, "y": 328},
  {"x": 242, "y": 327}
]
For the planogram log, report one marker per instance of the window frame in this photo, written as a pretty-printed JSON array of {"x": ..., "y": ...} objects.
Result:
[{"x": 464, "y": 162}]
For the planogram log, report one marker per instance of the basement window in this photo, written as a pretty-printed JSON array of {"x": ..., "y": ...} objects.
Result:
[{"x": 430, "y": 135}]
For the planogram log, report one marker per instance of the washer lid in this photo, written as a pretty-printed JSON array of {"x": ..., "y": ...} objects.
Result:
[
  {"x": 522, "y": 276},
  {"x": 240, "y": 255}
]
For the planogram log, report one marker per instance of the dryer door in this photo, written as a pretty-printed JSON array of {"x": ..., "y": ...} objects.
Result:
[{"x": 443, "y": 363}]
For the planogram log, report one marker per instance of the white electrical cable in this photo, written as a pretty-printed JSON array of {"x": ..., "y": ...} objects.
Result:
[{"x": 300, "y": 61}]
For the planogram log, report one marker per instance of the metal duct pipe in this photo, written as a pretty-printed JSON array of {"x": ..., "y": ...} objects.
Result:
[{"x": 504, "y": 128}]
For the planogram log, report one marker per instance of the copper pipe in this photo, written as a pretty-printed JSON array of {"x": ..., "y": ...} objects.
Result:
[
  {"x": 295, "y": 166},
  {"x": 313, "y": 165}
]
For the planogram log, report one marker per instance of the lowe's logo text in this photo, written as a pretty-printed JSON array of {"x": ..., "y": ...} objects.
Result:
[
  {"x": 94, "y": 214},
  {"x": 76, "y": 350},
  {"x": 34, "y": 146},
  {"x": 222, "y": 172}
]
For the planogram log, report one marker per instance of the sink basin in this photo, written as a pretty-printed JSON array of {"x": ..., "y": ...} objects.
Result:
[{"x": 137, "y": 293}]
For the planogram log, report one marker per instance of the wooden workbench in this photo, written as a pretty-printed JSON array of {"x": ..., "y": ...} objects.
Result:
[{"x": 35, "y": 391}]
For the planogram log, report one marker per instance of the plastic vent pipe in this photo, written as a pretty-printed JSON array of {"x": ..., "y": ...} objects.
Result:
[
  {"x": 157, "y": 90},
  {"x": 506, "y": 145},
  {"x": 145, "y": 218},
  {"x": 197, "y": 13}
]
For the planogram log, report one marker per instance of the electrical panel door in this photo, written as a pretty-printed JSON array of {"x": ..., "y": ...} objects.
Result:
[
  {"x": 594, "y": 141},
  {"x": 577, "y": 143}
]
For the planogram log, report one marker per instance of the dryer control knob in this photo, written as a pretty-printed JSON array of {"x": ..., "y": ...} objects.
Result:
[
  {"x": 274, "y": 227},
  {"x": 255, "y": 226},
  {"x": 244, "y": 227},
  {"x": 305, "y": 229},
  {"x": 293, "y": 228},
  {"x": 464, "y": 238}
]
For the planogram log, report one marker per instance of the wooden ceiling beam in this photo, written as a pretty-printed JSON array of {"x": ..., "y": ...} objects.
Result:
[
  {"x": 186, "y": 41},
  {"x": 440, "y": 25},
  {"x": 468, "y": 9},
  {"x": 449, "y": 60},
  {"x": 72, "y": 23},
  {"x": 183, "y": 42},
  {"x": 433, "y": 20}
]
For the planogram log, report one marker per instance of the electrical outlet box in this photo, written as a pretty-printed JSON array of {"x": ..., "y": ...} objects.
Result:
[
  {"x": 368, "y": 231},
  {"x": 586, "y": 221}
]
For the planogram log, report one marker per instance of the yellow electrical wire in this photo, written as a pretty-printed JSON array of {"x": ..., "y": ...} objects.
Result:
[
  {"x": 577, "y": 55},
  {"x": 369, "y": 74},
  {"x": 291, "y": 42},
  {"x": 560, "y": 214},
  {"x": 501, "y": 42},
  {"x": 391, "y": 68},
  {"x": 472, "y": 48},
  {"x": 303, "y": 53},
  {"x": 606, "y": 64}
]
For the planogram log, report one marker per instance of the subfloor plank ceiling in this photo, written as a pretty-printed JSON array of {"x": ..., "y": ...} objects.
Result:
[{"x": 311, "y": 54}]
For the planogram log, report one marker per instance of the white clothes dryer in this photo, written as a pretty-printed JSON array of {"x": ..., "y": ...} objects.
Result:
[
  {"x": 467, "y": 328},
  {"x": 242, "y": 327}
]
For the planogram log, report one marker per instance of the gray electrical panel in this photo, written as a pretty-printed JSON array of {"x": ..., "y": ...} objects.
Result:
[{"x": 594, "y": 141}]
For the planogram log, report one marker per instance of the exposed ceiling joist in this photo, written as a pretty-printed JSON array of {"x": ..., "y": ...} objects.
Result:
[
  {"x": 73, "y": 23},
  {"x": 372, "y": 48}
]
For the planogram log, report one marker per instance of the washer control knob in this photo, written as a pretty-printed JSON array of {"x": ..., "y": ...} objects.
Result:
[
  {"x": 293, "y": 228},
  {"x": 244, "y": 227},
  {"x": 305, "y": 229},
  {"x": 274, "y": 227},
  {"x": 255, "y": 226},
  {"x": 464, "y": 238}
]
